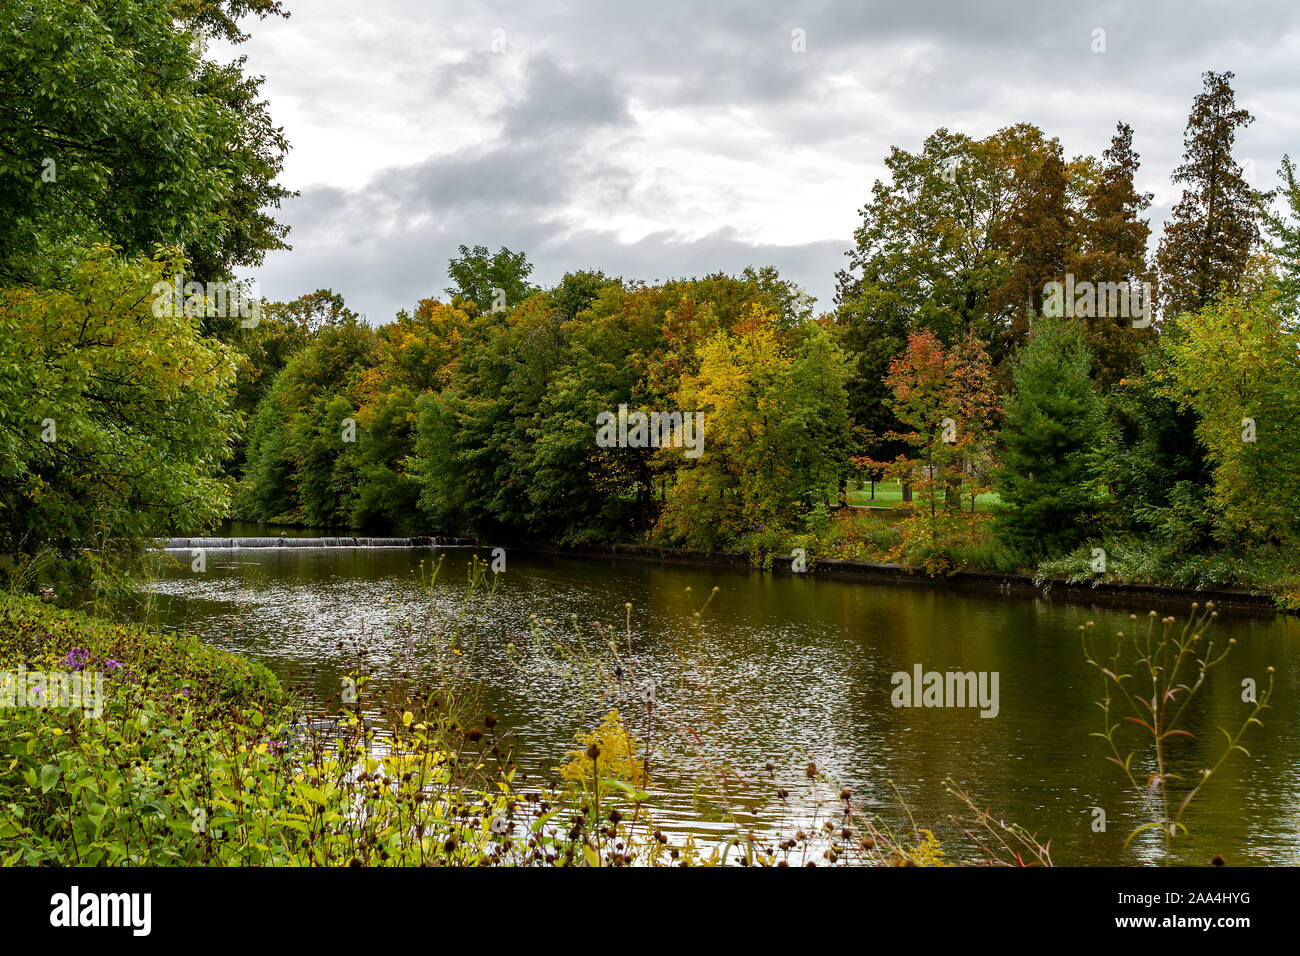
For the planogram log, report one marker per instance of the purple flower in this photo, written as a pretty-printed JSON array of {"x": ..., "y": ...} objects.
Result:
[{"x": 77, "y": 658}]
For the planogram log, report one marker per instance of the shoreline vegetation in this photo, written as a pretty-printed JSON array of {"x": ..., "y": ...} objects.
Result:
[
  {"x": 1022, "y": 434},
  {"x": 1079, "y": 587},
  {"x": 200, "y": 758}
]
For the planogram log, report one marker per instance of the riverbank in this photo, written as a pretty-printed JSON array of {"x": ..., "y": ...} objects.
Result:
[
  {"x": 852, "y": 546},
  {"x": 186, "y": 755},
  {"x": 1142, "y": 596},
  {"x": 1098, "y": 590}
]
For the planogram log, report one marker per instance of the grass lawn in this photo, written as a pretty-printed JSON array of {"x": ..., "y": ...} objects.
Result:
[{"x": 888, "y": 493}]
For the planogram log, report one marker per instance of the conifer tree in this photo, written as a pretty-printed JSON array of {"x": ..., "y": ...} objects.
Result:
[
  {"x": 1112, "y": 247},
  {"x": 1285, "y": 232},
  {"x": 1214, "y": 227},
  {"x": 1052, "y": 422}
]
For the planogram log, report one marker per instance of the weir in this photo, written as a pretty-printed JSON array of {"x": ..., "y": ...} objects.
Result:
[{"x": 180, "y": 544}]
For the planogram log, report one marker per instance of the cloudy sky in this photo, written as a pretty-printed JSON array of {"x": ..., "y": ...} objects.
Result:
[{"x": 683, "y": 137}]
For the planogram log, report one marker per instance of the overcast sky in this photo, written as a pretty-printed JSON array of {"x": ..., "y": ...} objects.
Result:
[{"x": 678, "y": 138}]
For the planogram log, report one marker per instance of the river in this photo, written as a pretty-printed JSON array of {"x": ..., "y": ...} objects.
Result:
[{"x": 786, "y": 670}]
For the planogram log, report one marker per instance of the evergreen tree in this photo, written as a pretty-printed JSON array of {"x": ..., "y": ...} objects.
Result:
[
  {"x": 1112, "y": 247},
  {"x": 1053, "y": 422},
  {"x": 1285, "y": 231},
  {"x": 1210, "y": 236}
]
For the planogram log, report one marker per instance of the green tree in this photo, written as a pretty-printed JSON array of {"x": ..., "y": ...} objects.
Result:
[
  {"x": 1054, "y": 422},
  {"x": 764, "y": 405},
  {"x": 114, "y": 420},
  {"x": 925, "y": 249},
  {"x": 282, "y": 331},
  {"x": 1236, "y": 363},
  {"x": 491, "y": 281},
  {"x": 299, "y": 466},
  {"x": 1285, "y": 232},
  {"x": 114, "y": 129}
]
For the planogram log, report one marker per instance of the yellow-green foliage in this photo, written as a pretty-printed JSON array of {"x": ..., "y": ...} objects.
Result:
[
  {"x": 927, "y": 851},
  {"x": 617, "y": 759}
]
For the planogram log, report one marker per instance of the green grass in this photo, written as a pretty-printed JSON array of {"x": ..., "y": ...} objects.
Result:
[{"x": 889, "y": 493}]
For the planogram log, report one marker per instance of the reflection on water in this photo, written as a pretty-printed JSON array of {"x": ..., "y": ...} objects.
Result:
[{"x": 786, "y": 670}]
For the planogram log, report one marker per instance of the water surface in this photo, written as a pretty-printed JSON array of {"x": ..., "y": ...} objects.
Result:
[{"x": 786, "y": 669}]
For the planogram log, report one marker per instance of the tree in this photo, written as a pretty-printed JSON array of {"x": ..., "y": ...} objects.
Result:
[
  {"x": 1214, "y": 227},
  {"x": 792, "y": 304},
  {"x": 1236, "y": 363},
  {"x": 978, "y": 409},
  {"x": 114, "y": 129},
  {"x": 925, "y": 248},
  {"x": 947, "y": 399},
  {"x": 763, "y": 452},
  {"x": 924, "y": 401},
  {"x": 1054, "y": 421},
  {"x": 300, "y": 466},
  {"x": 1154, "y": 464},
  {"x": 1035, "y": 234},
  {"x": 282, "y": 331},
  {"x": 491, "y": 282},
  {"x": 1112, "y": 248},
  {"x": 1285, "y": 232},
  {"x": 114, "y": 416},
  {"x": 872, "y": 336}
]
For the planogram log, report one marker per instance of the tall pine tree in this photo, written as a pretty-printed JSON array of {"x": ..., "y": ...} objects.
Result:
[
  {"x": 1285, "y": 232},
  {"x": 1214, "y": 227},
  {"x": 1112, "y": 247},
  {"x": 1052, "y": 423}
]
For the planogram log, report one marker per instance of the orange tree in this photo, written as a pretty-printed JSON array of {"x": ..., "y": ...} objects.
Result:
[{"x": 948, "y": 399}]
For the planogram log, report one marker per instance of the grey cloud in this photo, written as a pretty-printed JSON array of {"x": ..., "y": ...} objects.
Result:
[
  {"x": 970, "y": 67},
  {"x": 565, "y": 100},
  {"x": 378, "y": 275}
]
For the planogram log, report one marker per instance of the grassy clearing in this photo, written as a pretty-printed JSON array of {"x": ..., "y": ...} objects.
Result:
[{"x": 889, "y": 493}]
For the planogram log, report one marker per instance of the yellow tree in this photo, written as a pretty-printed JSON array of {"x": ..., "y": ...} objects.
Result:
[
  {"x": 1236, "y": 363},
  {"x": 764, "y": 404}
]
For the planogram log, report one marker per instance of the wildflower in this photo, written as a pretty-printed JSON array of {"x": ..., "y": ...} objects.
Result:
[{"x": 77, "y": 658}]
